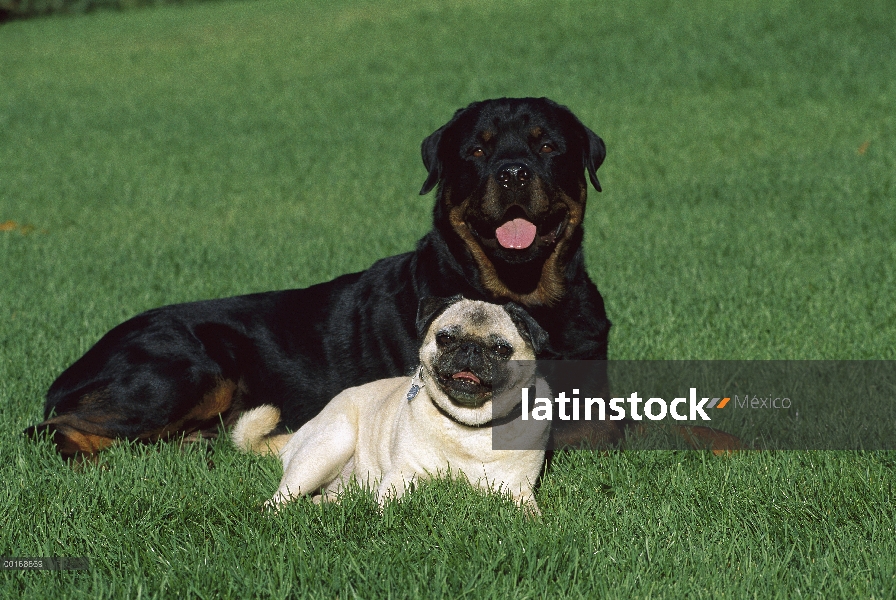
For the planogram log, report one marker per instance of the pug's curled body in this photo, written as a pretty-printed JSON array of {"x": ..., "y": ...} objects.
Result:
[{"x": 390, "y": 432}]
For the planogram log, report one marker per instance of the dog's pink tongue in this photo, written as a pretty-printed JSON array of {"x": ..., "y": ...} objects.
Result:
[
  {"x": 516, "y": 234},
  {"x": 466, "y": 375}
]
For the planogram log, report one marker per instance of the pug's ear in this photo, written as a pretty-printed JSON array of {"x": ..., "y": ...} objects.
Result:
[
  {"x": 528, "y": 327},
  {"x": 429, "y": 309},
  {"x": 593, "y": 156}
]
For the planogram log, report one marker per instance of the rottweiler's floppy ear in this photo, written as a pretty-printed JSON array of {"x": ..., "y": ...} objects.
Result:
[
  {"x": 594, "y": 156},
  {"x": 527, "y": 326},
  {"x": 430, "y": 151},
  {"x": 429, "y": 309}
]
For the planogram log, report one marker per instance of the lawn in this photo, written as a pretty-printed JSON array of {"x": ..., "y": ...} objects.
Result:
[{"x": 187, "y": 152}]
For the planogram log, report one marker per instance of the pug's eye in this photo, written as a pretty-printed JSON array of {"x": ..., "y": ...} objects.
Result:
[
  {"x": 547, "y": 148},
  {"x": 477, "y": 152},
  {"x": 503, "y": 351},
  {"x": 443, "y": 339}
]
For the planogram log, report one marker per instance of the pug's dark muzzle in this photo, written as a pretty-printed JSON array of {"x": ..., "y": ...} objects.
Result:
[
  {"x": 465, "y": 388},
  {"x": 466, "y": 375}
]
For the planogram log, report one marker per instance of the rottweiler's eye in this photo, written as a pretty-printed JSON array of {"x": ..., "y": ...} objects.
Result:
[
  {"x": 443, "y": 339},
  {"x": 477, "y": 152},
  {"x": 503, "y": 351},
  {"x": 547, "y": 148}
]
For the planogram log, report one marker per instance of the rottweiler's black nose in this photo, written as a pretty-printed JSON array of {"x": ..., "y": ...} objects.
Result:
[{"x": 514, "y": 175}]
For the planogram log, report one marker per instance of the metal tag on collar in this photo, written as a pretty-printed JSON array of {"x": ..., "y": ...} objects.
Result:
[{"x": 416, "y": 384}]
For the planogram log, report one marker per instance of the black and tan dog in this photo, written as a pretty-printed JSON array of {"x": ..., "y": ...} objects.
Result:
[{"x": 507, "y": 227}]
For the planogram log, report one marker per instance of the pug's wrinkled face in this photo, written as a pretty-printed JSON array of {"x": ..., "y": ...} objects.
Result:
[{"x": 469, "y": 355}]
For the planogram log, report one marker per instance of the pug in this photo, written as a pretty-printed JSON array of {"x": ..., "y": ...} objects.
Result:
[{"x": 388, "y": 433}]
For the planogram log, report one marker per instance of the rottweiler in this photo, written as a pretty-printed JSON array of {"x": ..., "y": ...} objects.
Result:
[{"x": 507, "y": 227}]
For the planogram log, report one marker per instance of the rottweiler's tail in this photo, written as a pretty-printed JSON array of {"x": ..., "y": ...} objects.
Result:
[{"x": 252, "y": 431}]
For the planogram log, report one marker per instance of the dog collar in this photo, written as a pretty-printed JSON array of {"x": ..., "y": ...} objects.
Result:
[{"x": 416, "y": 384}]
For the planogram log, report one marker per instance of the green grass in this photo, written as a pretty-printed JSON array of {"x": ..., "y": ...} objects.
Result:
[{"x": 193, "y": 152}]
